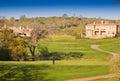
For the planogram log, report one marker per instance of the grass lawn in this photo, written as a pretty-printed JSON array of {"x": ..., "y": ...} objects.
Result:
[
  {"x": 70, "y": 44},
  {"x": 112, "y": 45},
  {"x": 92, "y": 63},
  {"x": 45, "y": 71}
]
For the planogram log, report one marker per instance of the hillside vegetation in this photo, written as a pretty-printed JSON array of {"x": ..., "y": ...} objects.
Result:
[{"x": 54, "y": 25}]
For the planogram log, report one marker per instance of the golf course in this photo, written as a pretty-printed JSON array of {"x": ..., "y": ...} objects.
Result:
[{"x": 91, "y": 63}]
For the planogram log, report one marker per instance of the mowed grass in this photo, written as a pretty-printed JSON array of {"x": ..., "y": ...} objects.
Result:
[
  {"x": 112, "y": 45},
  {"x": 92, "y": 63},
  {"x": 70, "y": 44},
  {"x": 45, "y": 71}
]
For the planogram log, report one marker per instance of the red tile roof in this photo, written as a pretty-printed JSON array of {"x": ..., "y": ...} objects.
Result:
[{"x": 108, "y": 24}]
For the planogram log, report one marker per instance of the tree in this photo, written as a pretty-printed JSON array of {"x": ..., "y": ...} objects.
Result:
[
  {"x": 5, "y": 54},
  {"x": 22, "y": 17},
  {"x": 65, "y": 15},
  {"x": 36, "y": 34},
  {"x": 6, "y": 37},
  {"x": 12, "y": 21},
  {"x": 11, "y": 48},
  {"x": 3, "y": 21},
  {"x": 19, "y": 51}
]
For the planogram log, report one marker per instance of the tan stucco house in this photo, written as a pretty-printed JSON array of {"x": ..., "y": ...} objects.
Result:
[
  {"x": 101, "y": 30},
  {"x": 19, "y": 31},
  {"x": 22, "y": 31}
]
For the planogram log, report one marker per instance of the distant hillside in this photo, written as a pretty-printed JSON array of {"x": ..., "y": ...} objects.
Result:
[{"x": 54, "y": 25}]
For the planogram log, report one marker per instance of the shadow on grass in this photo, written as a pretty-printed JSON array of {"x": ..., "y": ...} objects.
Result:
[
  {"x": 61, "y": 55},
  {"x": 23, "y": 73}
]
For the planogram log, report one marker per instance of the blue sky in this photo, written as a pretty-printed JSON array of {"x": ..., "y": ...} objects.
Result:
[{"x": 108, "y": 9}]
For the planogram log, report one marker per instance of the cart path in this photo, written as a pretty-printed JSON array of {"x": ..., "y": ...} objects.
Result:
[
  {"x": 114, "y": 56},
  {"x": 94, "y": 77}
]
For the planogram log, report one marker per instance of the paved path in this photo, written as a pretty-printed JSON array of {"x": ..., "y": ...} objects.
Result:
[{"x": 114, "y": 56}]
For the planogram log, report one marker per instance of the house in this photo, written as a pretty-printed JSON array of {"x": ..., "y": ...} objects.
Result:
[
  {"x": 19, "y": 31},
  {"x": 22, "y": 31},
  {"x": 101, "y": 30}
]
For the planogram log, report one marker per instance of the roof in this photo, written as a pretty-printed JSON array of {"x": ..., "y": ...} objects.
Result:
[
  {"x": 16, "y": 30},
  {"x": 108, "y": 24}
]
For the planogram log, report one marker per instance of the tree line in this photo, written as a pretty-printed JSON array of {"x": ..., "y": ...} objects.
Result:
[
  {"x": 16, "y": 48},
  {"x": 65, "y": 24}
]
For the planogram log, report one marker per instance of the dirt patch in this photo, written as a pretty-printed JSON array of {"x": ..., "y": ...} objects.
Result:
[{"x": 94, "y": 77}]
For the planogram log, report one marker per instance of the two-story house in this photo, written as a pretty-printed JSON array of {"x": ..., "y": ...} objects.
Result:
[{"x": 101, "y": 30}]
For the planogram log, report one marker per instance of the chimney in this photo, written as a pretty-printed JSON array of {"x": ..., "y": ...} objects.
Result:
[
  {"x": 94, "y": 22},
  {"x": 5, "y": 26},
  {"x": 102, "y": 22},
  {"x": 20, "y": 27}
]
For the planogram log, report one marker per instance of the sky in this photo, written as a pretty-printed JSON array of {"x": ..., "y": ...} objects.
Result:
[{"x": 107, "y": 9}]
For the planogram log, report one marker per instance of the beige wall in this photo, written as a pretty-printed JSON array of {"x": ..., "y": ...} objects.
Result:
[{"x": 101, "y": 31}]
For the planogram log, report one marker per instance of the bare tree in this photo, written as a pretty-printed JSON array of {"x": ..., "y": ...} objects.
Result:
[{"x": 36, "y": 34}]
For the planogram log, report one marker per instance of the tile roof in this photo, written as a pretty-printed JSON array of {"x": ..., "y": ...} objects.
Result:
[{"x": 108, "y": 24}]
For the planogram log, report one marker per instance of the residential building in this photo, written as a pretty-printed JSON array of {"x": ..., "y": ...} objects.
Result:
[
  {"x": 101, "y": 30},
  {"x": 22, "y": 31},
  {"x": 19, "y": 31}
]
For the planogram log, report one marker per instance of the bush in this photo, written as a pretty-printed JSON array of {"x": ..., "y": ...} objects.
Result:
[
  {"x": 44, "y": 54},
  {"x": 58, "y": 55},
  {"x": 5, "y": 54},
  {"x": 73, "y": 55}
]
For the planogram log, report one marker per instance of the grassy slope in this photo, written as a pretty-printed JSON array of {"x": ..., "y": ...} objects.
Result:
[
  {"x": 70, "y": 44},
  {"x": 91, "y": 65},
  {"x": 45, "y": 71},
  {"x": 112, "y": 45}
]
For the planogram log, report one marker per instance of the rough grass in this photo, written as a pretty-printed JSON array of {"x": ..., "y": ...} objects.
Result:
[{"x": 61, "y": 71}]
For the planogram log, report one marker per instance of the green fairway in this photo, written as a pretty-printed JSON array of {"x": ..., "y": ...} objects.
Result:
[
  {"x": 92, "y": 63},
  {"x": 70, "y": 44},
  {"x": 112, "y": 45},
  {"x": 45, "y": 71}
]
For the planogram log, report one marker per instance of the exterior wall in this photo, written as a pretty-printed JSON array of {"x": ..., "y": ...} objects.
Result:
[
  {"x": 21, "y": 31},
  {"x": 101, "y": 30}
]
